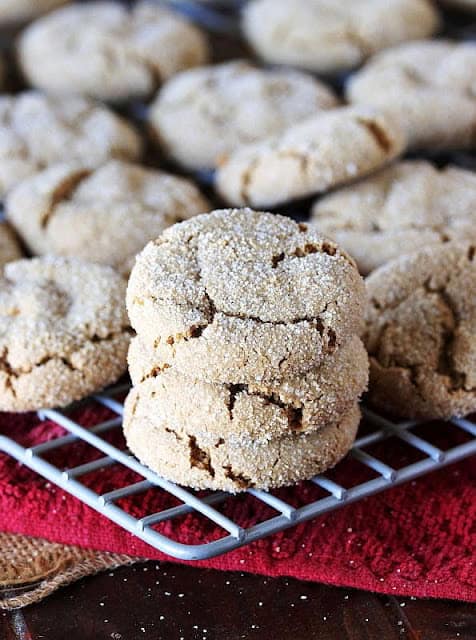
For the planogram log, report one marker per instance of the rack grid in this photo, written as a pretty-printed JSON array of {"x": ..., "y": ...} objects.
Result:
[{"x": 336, "y": 495}]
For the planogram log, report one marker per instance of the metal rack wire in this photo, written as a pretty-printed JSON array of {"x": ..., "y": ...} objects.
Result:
[{"x": 336, "y": 495}]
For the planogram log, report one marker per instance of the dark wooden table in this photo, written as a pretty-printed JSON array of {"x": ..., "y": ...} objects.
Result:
[{"x": 171, "y": 602}]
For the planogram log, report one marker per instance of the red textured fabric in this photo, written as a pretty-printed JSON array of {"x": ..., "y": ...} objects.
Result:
[{"x": 417, "y": 539}]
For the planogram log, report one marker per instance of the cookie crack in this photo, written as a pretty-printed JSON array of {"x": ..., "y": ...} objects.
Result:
[
  {"x": 293, "y": 413},
  {"x": 240, "y": 479},
  {"x": 378, "y": 133},
  {"x": 63, "y": 192},
  {"x": 199, "y": 458}
]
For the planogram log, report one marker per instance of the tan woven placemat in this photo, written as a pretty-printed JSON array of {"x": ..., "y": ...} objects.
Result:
[{"x": 32, "y": 568}]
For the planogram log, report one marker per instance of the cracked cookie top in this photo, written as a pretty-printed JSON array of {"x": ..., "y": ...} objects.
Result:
[
  {"x": 108, "y": 51},
  {"x": 329, "y": 149},
  {"x": 63, "y": 331},
  {"x": 421, "y": 333},
  {"x": 38, "y": 130},
  {"x": 202, "y": 114},
  {"x": 428, "y": 86},
  {"x": 103, "y": 215},
  {"x": 246, "y": 413},
  {"x": 9, "y": 248},
  {"x": 18, "y": 11},
  {"x": 244, "y": 296},
  {"x": 333, "y": 35},
  {"x": 405, "y": 207}
]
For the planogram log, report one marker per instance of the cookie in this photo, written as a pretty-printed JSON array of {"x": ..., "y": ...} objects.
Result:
[
  {"x": 246, "y": 296},
  {"x": 203, "y": 114},
  {"x": 428, "y": 86},
  {"x": 313, "y": 156},
  {"x": 248, "y": 413},
  {"x": 107, "y": 51},
  {"x": 17, "y": 11},
  {"x": 9, "y": 247},
  {"x": 63, "y": 332},
  {"x": 326, "y": 36},
  {"x": 188, "y": 459},
  {"x": 38, "y": 130},
  {"x": 408, "y": 206},
  {"x": 421, "y": 333},
  {"x": 104, "y": 215}
]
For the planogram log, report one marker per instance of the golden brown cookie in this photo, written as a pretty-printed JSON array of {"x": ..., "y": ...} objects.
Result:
[
  {"x": 421, "y": 333},
  {"x": 9, "y": 247},
  {"x": 245, "y": 296},
  {"x": 105, "y": 215},
  {"x": 253, "y": 412},
  {"x": 108, "y": 51},
  {"x": 310, "y": 157},
  {"x": 202, "y": 114},
  {"x": 63, "y": 332},
  {"x": 408, "y": 206},
  {"x": 430, "y": 89},
  {"x": 326, "y": 36},
  {"x": 215, "y": 463},
  {"x": 38, "y": 130}
]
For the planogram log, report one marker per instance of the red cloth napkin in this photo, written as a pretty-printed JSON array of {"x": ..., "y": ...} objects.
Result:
[{"x": 417, "y": 539}]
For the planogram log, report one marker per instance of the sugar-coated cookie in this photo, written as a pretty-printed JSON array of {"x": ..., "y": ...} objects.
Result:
[
  {"x": 38, "y": 130},
  {"x": 428, "y": 86},
  {"x": 421, "y": 333},
  {"x": 202, "y": 114},
  {"x": 104, "y": 215},
  {"x": 245, "y": 296},
  {"x": 63, "y": 332},
  {"x": 310, "y": 157},
  {"x": 408, "y": 206},
  {"x": 107, "y": 51},
  {"x": 333, "y": 35}
]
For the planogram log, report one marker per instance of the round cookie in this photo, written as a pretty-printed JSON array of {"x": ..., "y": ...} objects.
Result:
[
  {"x": 408, "y": 206},
  {"x": 105, "y": 215},
  {"x": 108, "y": 51},
  {"x": 246, "y": 296},
  {"x": 428, "y": 86},
  {"x": 18, "y": 11},
  {"x": 9, "y": 248},
  {"x": 313, "y": 156},
  {"x": 38, "y": 130},
  {"x": 188, "y": 459},
  {"x": 326, "y": 36},
  {"x": 421, "y": 333},
  {"x": 63, "y": 332},
  {"x": 203, "y": 114},
  {"x": 254, "y": 412}
]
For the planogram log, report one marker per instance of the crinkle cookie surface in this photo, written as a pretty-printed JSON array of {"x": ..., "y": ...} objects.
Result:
[
  {"x": 429, "y": 86},
  {"x": 105, "y": 215},
  {"x": 63, "y": 331},
  {"x": 314, "y": 156},
  {"x": 408, "y": 206},
  {"x": 244, "y": 295},
  {"x": 17, "y": 11},
  {"x": 202, "y": 114},
  {"x": 248, "y": 413},
  {"x": 204, "y": 463},
  {"x": 332, "y": 35},
  {"x": 38, "y": 130},
  {"x": 421, "y": 333},
  {"x": 107, "y": 51},
  {"x": 9, "y": 248}
]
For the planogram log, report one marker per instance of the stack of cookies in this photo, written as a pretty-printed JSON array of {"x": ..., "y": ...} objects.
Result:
[{"x": 247, "y": 368}]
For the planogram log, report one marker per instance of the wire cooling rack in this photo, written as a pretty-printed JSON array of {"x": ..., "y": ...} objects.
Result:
[{"x": 460, "y": 439}]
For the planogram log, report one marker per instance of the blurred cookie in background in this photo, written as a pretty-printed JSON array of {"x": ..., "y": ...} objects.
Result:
[
  {"x": 429, "y": 86},
  {"x": 106, "y": 51},
  {"x": 9, "y": 247},
  {"x": 37, "y": 131},
  {"x": 327, "y": 36},
  {"x": 405, "y": 207},
  {"x": 202, "y": 114},
  {"x": 106, "y": 215}
]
